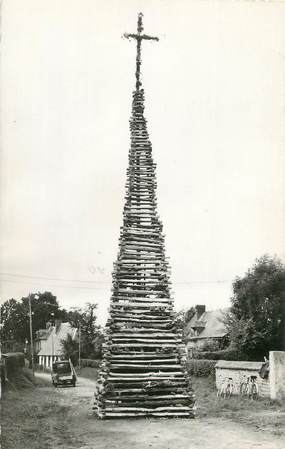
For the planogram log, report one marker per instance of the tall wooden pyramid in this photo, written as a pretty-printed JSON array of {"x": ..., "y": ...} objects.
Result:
[{"x": 142, "y": 372}]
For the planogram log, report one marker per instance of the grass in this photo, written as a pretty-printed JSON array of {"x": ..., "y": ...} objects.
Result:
[
  {"x": 34, "y": 416},
  {"x": 262, "y": 414},
  {"x": 22, "y": 379},
  {"x": 31, "y": 413},
  {"x": 30, "y": 417}
]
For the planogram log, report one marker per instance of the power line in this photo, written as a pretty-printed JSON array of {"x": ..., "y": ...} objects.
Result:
[
  {"x": 9, "y": 281},
  {"x": 45, "y": 278}
]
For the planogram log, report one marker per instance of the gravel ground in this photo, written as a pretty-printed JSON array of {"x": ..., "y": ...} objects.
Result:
[{"x": 70, "y": 424}]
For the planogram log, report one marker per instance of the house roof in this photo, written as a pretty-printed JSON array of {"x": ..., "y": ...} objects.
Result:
[
  {"x": 211, "y": 324},
  {"x": 42, "y": 334},
  {"x": 228, "y": 364},
  {"x": 8, "y": 355},
  {"x": 52, "y": 345}
]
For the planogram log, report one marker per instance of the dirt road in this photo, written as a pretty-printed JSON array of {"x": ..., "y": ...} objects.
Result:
[{"x": 82, "y": 430}]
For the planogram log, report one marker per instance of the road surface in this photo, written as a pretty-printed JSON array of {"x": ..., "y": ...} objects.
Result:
[{"x": 80, "y": 429}]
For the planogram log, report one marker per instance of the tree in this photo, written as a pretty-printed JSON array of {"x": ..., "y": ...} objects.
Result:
[
  {"x": 11, "y": 317},
  {"x": 15, "y": 315},
  {"x": 91, "y": 332},
  {"x": 70, "y": 349},
  {"x": 256, "y": 318},
  {"x": 182, "y": 317}
]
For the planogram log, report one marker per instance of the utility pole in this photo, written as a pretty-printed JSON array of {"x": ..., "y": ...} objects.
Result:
[
  {"x": 79, "y": 349},
  {"x": 31, "y": 334},
  {"x": 52, "y": 343}
]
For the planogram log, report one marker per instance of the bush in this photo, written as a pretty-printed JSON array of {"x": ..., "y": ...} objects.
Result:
[
  {"x": 210, "y": 346},
  {"x": 90, "y": 363},
  {"x": 208, "y": 355},
  {"x": 201, "y": 368},
  {"x": 225, "y": 354}
]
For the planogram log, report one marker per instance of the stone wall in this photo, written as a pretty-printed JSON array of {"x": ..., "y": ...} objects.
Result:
[
  {"x": 274, "y": 387},
  {"x": 239, "y": 375},
  {"x": 277, "y": 375}
]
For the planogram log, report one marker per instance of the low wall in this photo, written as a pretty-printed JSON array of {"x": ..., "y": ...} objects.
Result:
[
  {"x": 239, "y": 372},
  {"x": 274, "y": 387},
  {"x": 12, "y": 362},
  {"x": 277, "y": 375}
]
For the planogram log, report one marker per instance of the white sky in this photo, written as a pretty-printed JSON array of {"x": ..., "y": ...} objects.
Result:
[{"x": 215, "y": 101}]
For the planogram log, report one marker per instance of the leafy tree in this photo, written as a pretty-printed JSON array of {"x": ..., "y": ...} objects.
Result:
[
  {"x": 70, "y": 349},
  {"x": 15, "y": 315},
  {"x": 11, "y": 316},
  {"x": 256, "y": 318},
  {"x": 182, "y": 317},
  {"x": 90, "y": 332}
]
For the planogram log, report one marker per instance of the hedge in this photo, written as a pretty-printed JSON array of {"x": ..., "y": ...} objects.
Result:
[
  {"x": 14, "y": 360},
  {"x": 225, "y": 354},
  {"x": 90, "y": 362},
  {"x": 201, "y": 368}
]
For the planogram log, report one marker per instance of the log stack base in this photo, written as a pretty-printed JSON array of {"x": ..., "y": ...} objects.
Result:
[{"x": 142, "y": 372}]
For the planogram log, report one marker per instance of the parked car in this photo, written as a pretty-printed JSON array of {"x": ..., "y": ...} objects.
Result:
[{"x": 63, "y": 373}]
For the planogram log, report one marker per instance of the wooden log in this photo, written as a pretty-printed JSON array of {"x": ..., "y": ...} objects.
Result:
[
  {"x": 144, "y": 292},
  {"x": 143, "y": 414},
  {"x": 174, "y": 387},
  {"x": 145, "y": 366},
  {"x": 143, "y": 409},
  {"x": 145, "y": 332},
  {"x": 156, "y": 344},
  {"x": 132, "y": 298}
]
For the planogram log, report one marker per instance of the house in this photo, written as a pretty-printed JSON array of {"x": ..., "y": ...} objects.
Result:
[
  {"x": 204, "y": 328},
  {"x": 41, "y": 336},
  {"x": 48, "y": 342}
]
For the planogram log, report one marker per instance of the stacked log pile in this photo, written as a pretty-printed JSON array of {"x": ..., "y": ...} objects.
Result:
[{"x": 142, "y": 373}]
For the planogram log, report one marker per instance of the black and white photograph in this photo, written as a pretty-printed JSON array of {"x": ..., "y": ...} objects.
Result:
[{"x": 142, "y": 224}]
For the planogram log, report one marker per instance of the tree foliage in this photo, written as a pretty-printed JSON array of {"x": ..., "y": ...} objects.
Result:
[
  {"x": 182, "y": 317},
  {"x": 15, "y": 315},
  {"x": 90, "y": 332},
  {"x": 256, "y": 318},
  {"x": 70, "y": 349}
]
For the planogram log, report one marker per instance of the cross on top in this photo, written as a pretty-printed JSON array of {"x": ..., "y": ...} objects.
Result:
[{"x": 139, "y": 37}]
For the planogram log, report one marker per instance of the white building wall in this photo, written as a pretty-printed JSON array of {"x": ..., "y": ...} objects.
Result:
[{"x": 240, "y": 375}]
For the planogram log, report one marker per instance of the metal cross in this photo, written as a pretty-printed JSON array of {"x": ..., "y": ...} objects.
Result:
[{"x": 139, "y": 37}]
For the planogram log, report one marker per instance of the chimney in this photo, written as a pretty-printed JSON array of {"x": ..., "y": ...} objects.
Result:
[{"x": 200, "y": 309}]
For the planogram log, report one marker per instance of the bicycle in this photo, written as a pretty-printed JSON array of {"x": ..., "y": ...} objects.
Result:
[
  {"x": 227, "y": 389},
  {"x": 249, "y": 388}
]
